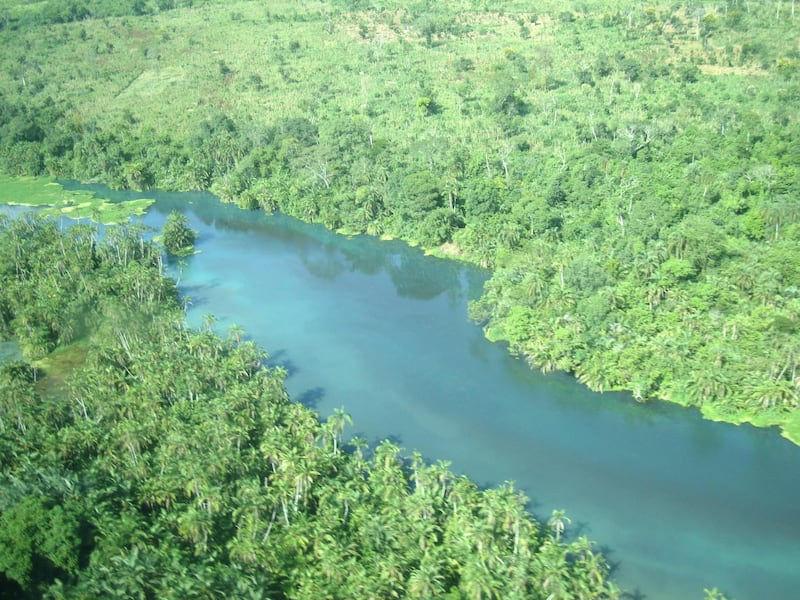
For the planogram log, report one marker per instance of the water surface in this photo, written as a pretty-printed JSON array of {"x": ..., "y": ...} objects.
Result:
[
  {"x": 9, "y": 351},
  {"x": 678, "y": 503}
]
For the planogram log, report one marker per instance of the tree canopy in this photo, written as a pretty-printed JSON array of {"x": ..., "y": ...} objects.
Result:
[{"x": 178, "y": 238}]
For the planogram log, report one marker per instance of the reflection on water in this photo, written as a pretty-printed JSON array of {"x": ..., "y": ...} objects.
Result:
[{"x": 680, "y": 504}]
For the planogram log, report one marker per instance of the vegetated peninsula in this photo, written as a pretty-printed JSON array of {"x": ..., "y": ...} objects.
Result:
[{"x": 629, "y": 171}]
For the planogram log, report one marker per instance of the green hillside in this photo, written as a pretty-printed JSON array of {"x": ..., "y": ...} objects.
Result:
[{"x": 628, "y": 170}]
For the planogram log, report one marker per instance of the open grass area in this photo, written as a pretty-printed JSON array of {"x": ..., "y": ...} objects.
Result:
[
  {"x": 39, "y": 191},
  {"x": 790, "y": 428},
  {"x": 58, "y": 365},
  {"x": 262, "y": 62},
  {"x": 787, "y": 421}
]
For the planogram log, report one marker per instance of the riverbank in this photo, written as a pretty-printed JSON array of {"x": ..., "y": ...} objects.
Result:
[
  {"x": 327, "y": 304},
  {"x": 788, "y": 423},
  {"x": 81, "y": 203},
  {"x": 441, "y": 388}
]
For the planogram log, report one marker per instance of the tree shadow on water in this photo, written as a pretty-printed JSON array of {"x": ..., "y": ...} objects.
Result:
[
  {"x": 311, "y": 398},
  {"x": 613, "y": 568},
  {"x": 192, "y": 301},
  {"x": 279, "y": 359},
  {"x": 579, "y": 528},
  {"x": 391, "y": 438}
]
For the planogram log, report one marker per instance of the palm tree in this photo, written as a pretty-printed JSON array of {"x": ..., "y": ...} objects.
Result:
[
  {"x": 511, "y": 510},
  {"x": 477, "y": 581},
  {"x": 707, "y": 382},
  {"x": 358, "y": 444},
  {"x": 554, "y": 570},
  {"x": 778, "y": 212},
  {"x": 195, "y": 525},
  {"x": 441, "y": 474},
  {"x": 209, "y": 321},
  {"x": 236, "y": 332},
  {"x": 590, "y": 567},
  {"x": 426, "y": 581},
  {"x": 766, "y": 392},
  {"x": 418, "y": 475},
  {"x": 305, "y": 473},
  {"x": 595, "y": 373},
  {"x": 336, "y": 424},
  {"x": 557, "y": 522}
]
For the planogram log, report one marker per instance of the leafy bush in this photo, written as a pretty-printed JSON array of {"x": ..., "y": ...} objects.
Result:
[{"x": 178, "y": 238}]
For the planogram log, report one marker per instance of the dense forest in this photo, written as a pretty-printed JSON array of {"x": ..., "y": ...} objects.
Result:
[
  {"x": 141, "y": 459},
  {"x": 628, "y": 170}
]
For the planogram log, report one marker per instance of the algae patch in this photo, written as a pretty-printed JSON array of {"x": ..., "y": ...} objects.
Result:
[{"x": 75, "y": 204}]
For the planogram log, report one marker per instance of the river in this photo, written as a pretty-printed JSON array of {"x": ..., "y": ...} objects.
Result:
[{"x": 678, "y": 504}]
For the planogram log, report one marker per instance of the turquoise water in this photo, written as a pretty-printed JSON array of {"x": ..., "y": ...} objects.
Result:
[
  {"x": 679, "y": 504},
  {"x": 9, "y": 351}
]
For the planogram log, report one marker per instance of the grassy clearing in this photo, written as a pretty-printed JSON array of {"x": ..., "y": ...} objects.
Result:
[
  {"x": 264, "y": 62},
  {"x": 790, "y": 429},
  {"x": 108, "y": 213},
  {"x": 58, "y": 365},
  {"x": 76, "y": 204}
]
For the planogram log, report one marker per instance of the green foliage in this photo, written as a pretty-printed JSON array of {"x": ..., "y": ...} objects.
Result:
[
  {"x": 39, "y": 541},
  {"x": 68, "y": 11},
  {"x": 424, "y": 105},
  {"x": 48, "y": 291},
  {"x": 177, "y": 237}
]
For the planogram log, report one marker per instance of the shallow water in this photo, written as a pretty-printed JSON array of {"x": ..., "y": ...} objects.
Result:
[
  {"x": 678, "y": 503},
  {"x": 9, "y": 351}
]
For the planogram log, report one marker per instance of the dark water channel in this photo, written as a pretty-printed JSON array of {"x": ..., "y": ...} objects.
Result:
[{"x": 679, "y": 504}]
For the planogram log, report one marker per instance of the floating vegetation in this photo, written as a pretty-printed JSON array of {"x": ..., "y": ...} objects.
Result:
[{"x": 75, "y": 204}]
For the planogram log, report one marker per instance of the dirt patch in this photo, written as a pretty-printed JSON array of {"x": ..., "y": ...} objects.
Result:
[
  {"x": 150, "y": 82},
  {"x": 139, "y": 33},
  {"x": 451, "y": 249},
  {"x": 749, "y": 70},
  {"x": 366, "y": 29}
]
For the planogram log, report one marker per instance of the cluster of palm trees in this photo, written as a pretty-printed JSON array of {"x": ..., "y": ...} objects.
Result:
[{"x": 673, "y": 322}]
